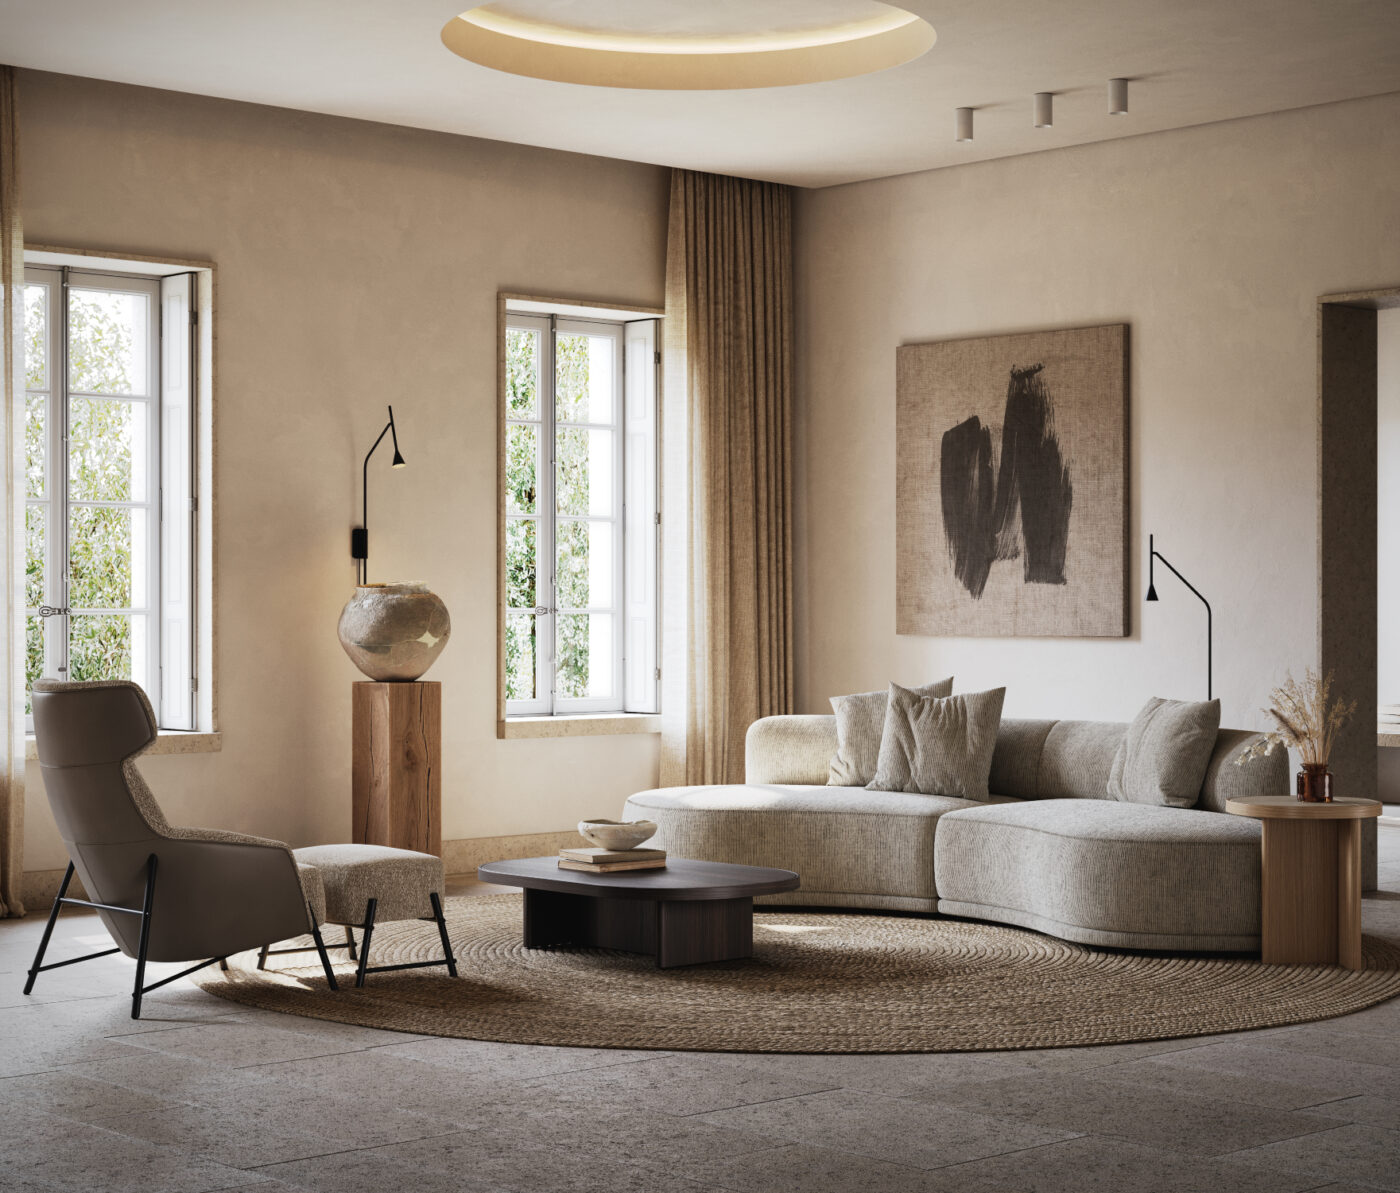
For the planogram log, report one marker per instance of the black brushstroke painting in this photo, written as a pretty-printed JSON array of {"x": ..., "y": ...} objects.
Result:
[{"x": 1025, "y": 511}]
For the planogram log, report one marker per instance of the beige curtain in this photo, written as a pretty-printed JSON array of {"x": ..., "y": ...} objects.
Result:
[
  {"x": 727, "y": 530},
  {"x": 12, "y": 524}
]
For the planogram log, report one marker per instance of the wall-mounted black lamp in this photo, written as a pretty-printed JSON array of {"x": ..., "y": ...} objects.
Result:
[
  {"x": 359, "y": 536},
  {"x": 1152, "y": 556}
]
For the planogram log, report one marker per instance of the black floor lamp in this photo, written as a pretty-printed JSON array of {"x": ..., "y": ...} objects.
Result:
[
  {"x": 1152, "y": 556},
  {"x": 359, "y": 535}
]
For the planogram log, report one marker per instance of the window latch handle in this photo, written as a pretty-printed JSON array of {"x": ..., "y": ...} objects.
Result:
[
  {"x": 541, "y": 610},
  {"x": 50, "y": 611}
]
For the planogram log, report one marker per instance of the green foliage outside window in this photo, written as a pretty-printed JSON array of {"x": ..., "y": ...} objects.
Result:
[
  {"x": 572, "y": 497},
  {"x": 106, "y": 437}
]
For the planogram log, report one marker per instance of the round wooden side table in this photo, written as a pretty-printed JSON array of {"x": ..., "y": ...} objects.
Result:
[{"x": 1311, "y": 863}]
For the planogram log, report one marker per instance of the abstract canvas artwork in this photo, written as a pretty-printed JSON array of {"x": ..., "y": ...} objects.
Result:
[{"x": 1011, "y": 484}]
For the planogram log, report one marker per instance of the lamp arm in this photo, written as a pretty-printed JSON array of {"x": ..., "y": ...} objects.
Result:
[
  {"x": 1183, "y": 579},
  {"x": 364, "y": 499},
  {"x": 1210, "y": 618}
]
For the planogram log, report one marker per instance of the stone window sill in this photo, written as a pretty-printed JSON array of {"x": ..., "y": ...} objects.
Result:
[
  {"x": 168, "y": 741},
  {"x": 579, "y": 725}
]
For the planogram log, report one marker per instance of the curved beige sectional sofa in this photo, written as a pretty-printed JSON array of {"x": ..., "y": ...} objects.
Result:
[{"x": 1050, "y": 851}]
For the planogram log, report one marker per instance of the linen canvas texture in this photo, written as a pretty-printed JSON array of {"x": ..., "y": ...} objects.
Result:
[
  {"x": 860, "y": 724},
  {"x": 1163, "y": 758},
  {"x": 939, "y": 746},
  {"x": 1011, "y": 484}
]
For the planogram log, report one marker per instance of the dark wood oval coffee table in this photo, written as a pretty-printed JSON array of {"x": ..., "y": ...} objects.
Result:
[{"x": 686, "y": 914}]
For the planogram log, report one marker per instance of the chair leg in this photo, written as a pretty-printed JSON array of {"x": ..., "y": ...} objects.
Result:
[
  {"x": 350, "y": 942},
  {"x": 370, "y": 908},
  {"x": 48, "y": 931},
  {"x": 321, "y": 949},
  {"x": 442, "y": 931},
  {"x": 262, "y": 956},
  {"x": 223, "y": 964},
  {"x": 145, "y": 942}
]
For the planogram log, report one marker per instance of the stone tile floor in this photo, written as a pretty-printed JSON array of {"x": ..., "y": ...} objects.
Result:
[{"x": 202, "y": 1095}]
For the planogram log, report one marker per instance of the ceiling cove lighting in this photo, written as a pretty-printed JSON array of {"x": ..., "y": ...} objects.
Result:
[
  {"x": 964, "y": 129},
  {"x": 1118, "y": 97},
  {"x": 1044, "y": 109},
  {"x": 520, "y": 38}
]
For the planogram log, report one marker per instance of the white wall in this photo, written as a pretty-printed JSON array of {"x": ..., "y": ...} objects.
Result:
[
  {"x": 1214, "y": 244},
  {"x": 358, "y": 265},
  {"x": 1388, "y": 506}
]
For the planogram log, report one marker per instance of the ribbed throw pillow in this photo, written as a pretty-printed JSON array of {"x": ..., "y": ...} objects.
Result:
[
  {"x": 938, "y": 746},
  {"x": 1163, "y": 758},
  {"x": 860, "y": 724}
]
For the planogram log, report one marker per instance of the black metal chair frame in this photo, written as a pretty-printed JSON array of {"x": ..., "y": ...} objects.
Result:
[
  {"x": 368, "y": 929},
  {"x": 144, "y": 911}
]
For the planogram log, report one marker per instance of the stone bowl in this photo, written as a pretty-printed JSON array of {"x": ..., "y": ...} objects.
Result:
[
  {"x": 394, "y": 632},
  {"x": 614, "y": 834}
]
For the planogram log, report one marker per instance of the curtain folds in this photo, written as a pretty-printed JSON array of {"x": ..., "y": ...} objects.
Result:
[
  {"x": 12, "y": 483},
  {"x": 726, "y": 458}
]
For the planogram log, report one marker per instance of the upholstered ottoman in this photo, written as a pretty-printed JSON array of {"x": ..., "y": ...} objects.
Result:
[
  {"x": 1101, "y": 872},
  {"x": 364, "y": 884}
]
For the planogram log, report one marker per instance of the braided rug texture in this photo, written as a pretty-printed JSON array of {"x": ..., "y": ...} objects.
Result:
[{"x": 817, "y": 982}]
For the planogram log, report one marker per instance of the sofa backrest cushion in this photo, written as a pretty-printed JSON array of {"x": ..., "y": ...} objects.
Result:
[{"x": 1032, "y": 760}]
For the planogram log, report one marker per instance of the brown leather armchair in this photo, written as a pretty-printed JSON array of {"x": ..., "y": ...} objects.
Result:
[{"x": 164, "y": 893}]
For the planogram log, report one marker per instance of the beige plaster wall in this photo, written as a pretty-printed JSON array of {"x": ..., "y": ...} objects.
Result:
[
  {"x": 1214, "y": 244},
  {"x": 358, "y": 265}
]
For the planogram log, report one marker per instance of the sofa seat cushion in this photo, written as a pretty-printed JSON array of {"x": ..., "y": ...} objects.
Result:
[
  {"x": 839, "y": 840},
  {"x": 1104, "y": 873}
]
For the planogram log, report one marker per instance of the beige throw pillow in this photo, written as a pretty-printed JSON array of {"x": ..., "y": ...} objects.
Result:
[
  {"x": 1164, "y": 756},
  {"x": 939, "y": 746},
  {"x": 860, "y": 724}
]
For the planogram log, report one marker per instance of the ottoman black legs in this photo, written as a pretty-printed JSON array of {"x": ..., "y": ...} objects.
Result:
[{"x": 367, "y": 928}]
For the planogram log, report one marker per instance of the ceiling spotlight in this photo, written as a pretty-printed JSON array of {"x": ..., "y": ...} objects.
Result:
[
  {"x": 964, "y": 132},
  {"x": 1044, "y": 109},
  {"x": 1118, "y": 97}
]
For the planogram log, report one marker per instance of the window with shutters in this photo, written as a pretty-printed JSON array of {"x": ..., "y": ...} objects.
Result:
[{"x": 579, "y": 501}]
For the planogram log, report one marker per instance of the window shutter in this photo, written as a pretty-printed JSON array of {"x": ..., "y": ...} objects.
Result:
[
  {"x": 642, "y": 529},
  {"x": 177, "y": 507}
]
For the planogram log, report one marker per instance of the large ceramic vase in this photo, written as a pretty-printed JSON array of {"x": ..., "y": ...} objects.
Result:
[{"x": 394, "y": 632}]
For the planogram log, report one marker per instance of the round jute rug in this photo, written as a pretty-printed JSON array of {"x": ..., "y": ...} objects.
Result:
[{"x": 817, "y": 982}]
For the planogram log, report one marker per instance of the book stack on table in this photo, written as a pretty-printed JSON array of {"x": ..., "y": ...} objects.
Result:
[
  {"x": 608, "y": 861},
  {"x": 1389, "y": 714}
]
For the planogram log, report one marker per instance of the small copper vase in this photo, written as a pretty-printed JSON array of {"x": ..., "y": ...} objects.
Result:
[{"x": 1315, "y": 783}]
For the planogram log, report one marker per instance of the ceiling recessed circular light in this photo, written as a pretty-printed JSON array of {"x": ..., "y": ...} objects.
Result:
[{"x": 667, "y": 45}]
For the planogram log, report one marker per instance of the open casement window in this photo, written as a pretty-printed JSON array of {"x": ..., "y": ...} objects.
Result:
[
  {"x": 110, "y": 489},
  {"x": 580, "y": 515}
]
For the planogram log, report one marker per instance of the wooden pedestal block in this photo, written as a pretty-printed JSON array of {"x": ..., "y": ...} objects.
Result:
[{"x": 396, "y": 772}]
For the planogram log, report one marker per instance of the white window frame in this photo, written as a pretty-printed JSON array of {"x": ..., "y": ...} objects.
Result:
[
  {"x": 167, "y": 663},
  {"x": 635, "y": 528}
]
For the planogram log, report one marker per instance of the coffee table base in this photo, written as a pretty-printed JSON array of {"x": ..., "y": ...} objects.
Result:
[{"x": 675, "y": 932}]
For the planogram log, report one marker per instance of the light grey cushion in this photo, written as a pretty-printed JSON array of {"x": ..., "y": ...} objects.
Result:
[
  {"x": 1104, "y": 873},
  {"x": 849, "y": 846},
  {"x": 1163, "y": 758},
  {"x": 860, "y": 724},
  {"x": 939, "y": 746},
  {"x": 400, "y": 879}
]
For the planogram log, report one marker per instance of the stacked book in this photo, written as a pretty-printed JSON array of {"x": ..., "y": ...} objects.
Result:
[
  {"x": 606, "y": 861},
  {"x": 1389, "y": 714}
]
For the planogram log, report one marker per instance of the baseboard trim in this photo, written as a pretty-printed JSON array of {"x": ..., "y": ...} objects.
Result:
[{"x": 462, "y": 856}]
